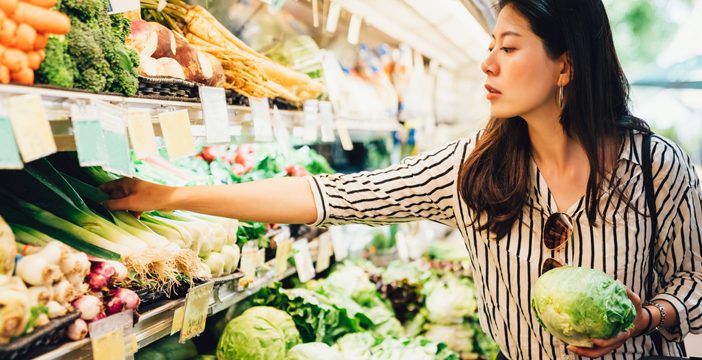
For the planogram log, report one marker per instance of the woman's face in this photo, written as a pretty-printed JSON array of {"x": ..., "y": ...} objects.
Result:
[{"x": 521, "y": 78}]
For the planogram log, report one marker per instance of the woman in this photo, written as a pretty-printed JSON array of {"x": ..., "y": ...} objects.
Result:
[{"x": 560, "y": 156}]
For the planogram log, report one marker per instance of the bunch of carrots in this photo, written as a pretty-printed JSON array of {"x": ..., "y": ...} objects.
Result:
[{"x": 25, "y": 26}]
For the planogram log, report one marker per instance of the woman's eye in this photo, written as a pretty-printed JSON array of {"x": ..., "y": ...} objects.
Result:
[{"x": 507, "y": 49}]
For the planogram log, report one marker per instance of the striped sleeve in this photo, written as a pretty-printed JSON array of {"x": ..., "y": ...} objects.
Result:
[
  {"x": 679, "y": 257},
  {"x": 420, "y": 187}
]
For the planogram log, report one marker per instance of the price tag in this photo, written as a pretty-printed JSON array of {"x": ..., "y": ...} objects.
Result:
[
  {"x": 354, "y": 29},
  {"x": 327, "y": 121},
  {"x": 344, "y": 135},
  {"x": 111, "y": 337},
  {"x": 141, "y": 134},
  {"x": 9, "y": 155},
  {"x": 261, "y": 118},
  {"x": 214, "y": 112},
  {"x": 178, "y": 316},
  {"x": 333, "y": 17},
  {"x": 339, "y": 242},
  {"x": 311, "y": 120},
  {"x": 195, "y": 316},
  {"x": 402, "y": 247},
  {"x": 175, "y": 126},
  {"x": 90, "y": 139},
  {"x": 114, "y": 127},
  {"x": 31, "y": 127},
  {"x": 120, "y": 6},
  {"x": 303, "y": 260},
  {"x": 324, "y": 252},
  {"x": 282, "y": 252},
  {"x": 249, "y": 261},
  {"x": 282, "y": 136}
]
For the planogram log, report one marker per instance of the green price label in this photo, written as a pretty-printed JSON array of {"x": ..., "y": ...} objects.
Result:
[{"x": 9, "y": 155}]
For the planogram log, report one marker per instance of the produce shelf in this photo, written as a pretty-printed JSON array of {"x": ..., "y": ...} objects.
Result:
[
  {"x": 156, "y": 323},
  {"x": 57, "y": 103}
]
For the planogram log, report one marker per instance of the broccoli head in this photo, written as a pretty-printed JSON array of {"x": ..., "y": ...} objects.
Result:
[
  {"x": 85, "y": 10},
  {"x": 84, "y": 46},
  {"x": 58, "y": 68}
]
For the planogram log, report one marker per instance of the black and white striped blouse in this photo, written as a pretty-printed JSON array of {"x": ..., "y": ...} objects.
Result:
[{"x": 425, "y": 187}]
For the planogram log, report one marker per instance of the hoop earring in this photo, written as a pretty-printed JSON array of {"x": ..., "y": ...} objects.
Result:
[{"x": 559, "y": 100}]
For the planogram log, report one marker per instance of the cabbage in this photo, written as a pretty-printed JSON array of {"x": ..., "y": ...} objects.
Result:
[
  {"x": 450, "y": 299},
  {"x": 458, "y": 338},
  {"x": 577, "y": 304},
  {"x": 259, "y": 333},
  {"x": 313, "y": 351},
  {"x": 356, "y": 346}
]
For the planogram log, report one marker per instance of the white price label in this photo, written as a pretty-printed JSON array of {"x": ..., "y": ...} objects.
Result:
[
  {"x": 141, "y": 134},
  {"x": 261, "y": 116},
  {"x": 324, "y": 252},
  {"x": 402, "y": 247},
  {"x": 339, "y": 242},
  {"x": 283, "y": 249},
  {"x": 344, "y": 135},
  {"x": 175, "y": 126},
  {"x": 249, "y": 260},
  {"x": 303, "y": 260},
  {"x": 214, "y": 112},
  {"x": 326, "y": 117},
  {"x": 333, "y": 17},
  {"x": 311, "y": 120},
  {"x": 31, "y": 127},
  {"x": 195, "y": 313},
  {"x": 354, "y": 29},
  {"x": 120, "y": 6},
  {"x": 282, "y": 136}
]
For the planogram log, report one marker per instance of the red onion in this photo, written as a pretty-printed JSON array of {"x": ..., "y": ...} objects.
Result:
[
  {"x": 100, "y": 316},
  {"x": 89, "y": 306},
  {"x": 114, "y": 306},
  {"x": 78, "y": 330}
]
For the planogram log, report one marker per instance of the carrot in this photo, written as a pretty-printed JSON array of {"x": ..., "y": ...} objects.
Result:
[
  {"x": 46, "y": 4},
  {"x": 8, "y": 6},
  {"x": 7, "y": 33},
  {"x": 14, "y": 59},
  {"x": 42, "y": 20},
  {"x": 34, "y": 60},
  {"x": 24, "y": 76},
  {"x": 42, "y": 54},
  {"x": 41, "y": 41},
  {"x": 4, "y": 75},
  {"x": 25, "y": 37},
  {"x": 2, "y": 51},
  {"x": 2, "y": 15}
]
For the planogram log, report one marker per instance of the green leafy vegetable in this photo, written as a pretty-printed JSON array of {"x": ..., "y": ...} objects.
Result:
[
  {"x": 577, "y": 304},
  {"x": 260, "y": 333}
]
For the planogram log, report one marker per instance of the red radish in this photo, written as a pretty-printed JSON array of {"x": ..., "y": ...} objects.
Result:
[
  {"x": 114, "y": 306},
  {"x": 166, "y": 43},
  {"x": 144, "y": 38},
  {"x": 121, "y": 271},
  {"x": 103, "y": 268},
  {"x": 78, "y": 330},
  {"x": 89, "y": 307},
  {"x": 97, "y": 282},
  {"x": 100, "y": 316},
  {"x": 129, "y": 298}
]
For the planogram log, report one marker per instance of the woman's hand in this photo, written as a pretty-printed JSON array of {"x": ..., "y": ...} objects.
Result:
[
  {"x": 605, "y": 346},
  {"x": 137, "y": 195}
]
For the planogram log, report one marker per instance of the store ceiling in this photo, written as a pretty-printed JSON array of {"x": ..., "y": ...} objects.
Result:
[{"x": 443, "y": 30}]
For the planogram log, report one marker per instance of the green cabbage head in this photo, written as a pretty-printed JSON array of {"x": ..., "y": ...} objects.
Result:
[
  {"x": 577, "y": 304},
  {"x": 260, "y": 333}
]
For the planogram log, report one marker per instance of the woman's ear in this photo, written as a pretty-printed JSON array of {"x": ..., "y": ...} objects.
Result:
[{"x": 566, "y": 73}]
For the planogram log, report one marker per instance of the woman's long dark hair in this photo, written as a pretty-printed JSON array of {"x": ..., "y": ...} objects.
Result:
[{"x": 494, "y": 180}]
